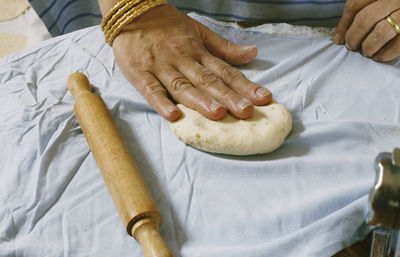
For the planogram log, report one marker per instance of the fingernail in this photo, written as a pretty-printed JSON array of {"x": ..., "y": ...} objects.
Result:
[
  {"x": 248, "y": 47},
  {"x": 171, "y": 109},
  {"x": 348, "y": 47},
  {"x": 262, "y": 92},
  {"x": 337, "y": 39},
  {"x": 243, "y": 104},
  {"x": 215, "y": 106}
]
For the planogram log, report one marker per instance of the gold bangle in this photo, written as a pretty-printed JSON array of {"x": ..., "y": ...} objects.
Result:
[
  {"x": 121, "y": 19},
  {"x": 112, "y": 11},
  {"x": 128, "y": 17},
  {"x": 120, "y": 12}
]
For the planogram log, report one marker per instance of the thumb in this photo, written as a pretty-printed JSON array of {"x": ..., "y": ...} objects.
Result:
[{"x": 224, "y": 49}]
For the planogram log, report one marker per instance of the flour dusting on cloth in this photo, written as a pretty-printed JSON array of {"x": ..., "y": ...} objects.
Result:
[
  {"x": 10, "y": 43},
  {"x": 10, "y": 9}
]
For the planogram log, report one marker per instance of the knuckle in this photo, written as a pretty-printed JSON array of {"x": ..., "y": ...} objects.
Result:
[
  {"x": 226, "y": 46},
  {"x": 183, "y": 45},
  {"x": 153, "y": 88},
  {"x": 206, "y": 79},
  {"x": 228, "y": 72},
  {"x": 177, "y": 46},
  {"x": 179, "y": 84}
]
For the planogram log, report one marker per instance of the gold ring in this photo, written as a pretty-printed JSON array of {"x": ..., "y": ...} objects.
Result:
[{"x": 394, "y": 24}]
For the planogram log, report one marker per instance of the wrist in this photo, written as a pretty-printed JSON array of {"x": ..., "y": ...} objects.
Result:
[{"x": 124, "y": 13}]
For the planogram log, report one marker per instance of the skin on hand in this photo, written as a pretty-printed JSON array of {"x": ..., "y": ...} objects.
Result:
[
  {"x": 364, "y": 27},
  {"x": 166, "y": 52}
]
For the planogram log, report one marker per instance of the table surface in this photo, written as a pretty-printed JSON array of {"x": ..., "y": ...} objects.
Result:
[{"x": 360, "y": 249}]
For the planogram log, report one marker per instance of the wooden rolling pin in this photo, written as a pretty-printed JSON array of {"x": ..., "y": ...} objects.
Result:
[{"x": 123, "y": 179}]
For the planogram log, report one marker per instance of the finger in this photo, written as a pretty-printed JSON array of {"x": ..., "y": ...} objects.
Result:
[
  {"x": 389, "y": 52},
  {"x": 382, "y": 33},
  {"x": 224, "y": 49},
  {"x": 185, "y": 93},
  {"x": 257, "y": 94},
  {"x": 351, "y": 8},
  {"x": 366, "y": 19},
  {"x": 208, "y": 82},
  {"x": 155, "y": 94}
]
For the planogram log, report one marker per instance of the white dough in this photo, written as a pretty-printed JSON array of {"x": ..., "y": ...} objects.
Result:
[
  {"x": 10, "y": 9},
  {"x": 263, "y": 132}
]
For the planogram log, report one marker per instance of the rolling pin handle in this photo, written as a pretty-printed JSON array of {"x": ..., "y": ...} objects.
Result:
[
  {"x": 78, "y": 84},
  {"x": 123, "y": 179},
  {"x": 148, "y": 235}
]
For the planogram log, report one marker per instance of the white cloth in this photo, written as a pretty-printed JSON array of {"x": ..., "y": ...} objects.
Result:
[{"x": 308, "y": 198}]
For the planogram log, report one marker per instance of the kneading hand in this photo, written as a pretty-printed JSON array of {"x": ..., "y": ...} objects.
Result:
[
  {"x": 165, "y": 51},
  {"x": 364, "y": 26}
]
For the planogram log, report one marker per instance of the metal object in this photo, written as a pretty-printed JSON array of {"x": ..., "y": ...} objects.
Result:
[{"x": 384, "y": 201}]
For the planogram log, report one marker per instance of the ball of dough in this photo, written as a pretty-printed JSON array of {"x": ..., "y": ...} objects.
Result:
[{"x": 263, "y": 132}]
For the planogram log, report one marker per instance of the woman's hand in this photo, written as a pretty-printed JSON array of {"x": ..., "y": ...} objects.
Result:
[
  {"x": 166, "y": 52},
  {"x": 364, "y": 26}
]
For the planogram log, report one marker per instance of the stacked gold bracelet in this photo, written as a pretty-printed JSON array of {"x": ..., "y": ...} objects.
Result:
[{"x": 123, "y": 13}]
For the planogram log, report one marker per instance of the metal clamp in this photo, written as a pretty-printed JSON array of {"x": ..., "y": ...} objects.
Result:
[{"x": 384, "y": 199}]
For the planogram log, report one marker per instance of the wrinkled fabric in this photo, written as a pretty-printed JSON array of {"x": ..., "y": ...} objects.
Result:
[
  {"x": 308, "y": 198},
  {"x": 64, "y": 16}
]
